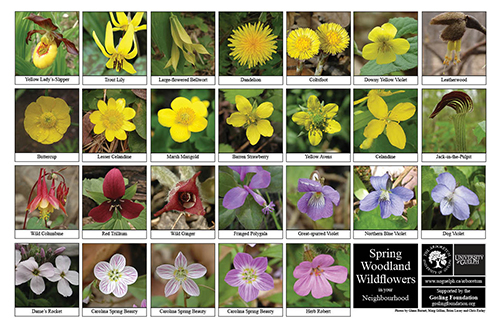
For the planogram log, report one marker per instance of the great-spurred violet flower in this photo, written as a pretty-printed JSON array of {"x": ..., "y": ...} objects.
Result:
[
  {"x": 313, "y": 276},
  {"x": 452, "y": 199},
  {"x": 236, "y": 197},
  {"x": 249, "y": 276},
  {"x": 115, "y": 276},
  {"x": 181, "y": 275},
  {"x": 63, "y": 276},
  {"x": 30, "y": 270},
  {"x": 391, "y": 200},
  {"x": 318, "y": 200}
]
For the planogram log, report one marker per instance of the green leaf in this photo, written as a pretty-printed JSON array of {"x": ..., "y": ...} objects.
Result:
[
  {"x": 226, "y": 216},
  {"x": 98, "y": 197},
  {"x": 404, "y": 25},
  {"x": 35, "y": 223},
  {"x": 480, "y": 131},
  {"x": 225, "y": 148},
  {"x": 140, "y": 118},
  {"x": 138, "y": 288},
  {"x": 226, "y": 182},
  {"x": 250, "y": 214},
  {"x": 359, "y": 188},
  {"x": 139, "y": 223},
  {"x": 58, "y": 221},
  {"x": 274, "y": 251},
  {"x": 160, "y": 301},
  {"x": 230, "y": 94},
  {"x": 130, "y": 192}
]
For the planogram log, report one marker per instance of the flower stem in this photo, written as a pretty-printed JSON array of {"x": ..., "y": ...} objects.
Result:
[
  {"x": 321, "y": 64},
  {"x": 206, "y": 287},
  {"x": 460, "y": 129},
  {"x": 300, "y": 67},
  {"x": 448, "y": 221}
]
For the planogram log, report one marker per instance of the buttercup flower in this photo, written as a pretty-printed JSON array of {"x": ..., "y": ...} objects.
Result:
[
  {"x": 318, "y": 200},
  {"x": 249, "y": 276},
  {"x": 452, "y": 199},
  {"x": 391, "y": 200},
  {"x": 384, "y": 47},
  {"x": 113, "y": 119},
  {"x": 47, "y": 120},
  {"x": 302, "y": 44},
  {"x": 184, "y": 117},
  {"x": 63, "y": 276},
  {"x": 181, "y": 275},
  {"x": 236, "y": 196},
  {"x": 333, "y": 38},
  {"x": 314, "y": 276},
  {"x": 123, "y": 21},
  {"x": 45, "y": 201},
  {"x": 253, "y": 119},
  {"x": 252, "y": 44},
  {"x": 30, "y": 270},
  {"x": 115, "y": 276}
]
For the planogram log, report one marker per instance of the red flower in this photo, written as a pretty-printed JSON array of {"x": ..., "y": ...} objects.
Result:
[
  {"x": 62, "y": 193},
  {"x": 184, "y": 197},
  {"x": 45, "y": 202},
  {"x": 113, "y": 188}
]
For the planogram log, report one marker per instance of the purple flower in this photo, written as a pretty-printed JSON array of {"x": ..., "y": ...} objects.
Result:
[
  {"x": 114, "y": 276},
  {"x": 268, "y": 208},
  {"x": 143, "y": 304},
  {"x": 318, "y": 200},
  {"x": 249, "y": 276},
  {"x": 391, "y": 201},
  {"x": 453, "y": 200},
  {"x": 313, "y": 276},
  {"x": 236, "y": 197},
  {"x": 29, "y": 270},
  {"x": 243, "y": 170}
]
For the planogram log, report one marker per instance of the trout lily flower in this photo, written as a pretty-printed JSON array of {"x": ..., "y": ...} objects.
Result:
[
  {"x": 115, "y": 276},
  {"x": 29, "y": 270},
  {"x": 47, "y": 120},
  {"x": 113, "y": 119},
  {"x": 333, "y": 38},
  {"x": 181, "y": 275},
  {"x": 384, "y": 47},
  {"x": 122, "y": 22},
  {"x": 302, "y": 44},
  {"x": 63, "y": 276}
]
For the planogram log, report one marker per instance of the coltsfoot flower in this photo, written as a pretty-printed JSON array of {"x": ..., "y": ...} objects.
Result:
[
  {"x": 113, "y": 119},
  {"x": 47, "y": 120},
  {"x": 302, "y": 44},
  {"x": 115, "y": 276},
  {"x": 333, "y": 38},
  {"x": 384, "y": 47}
]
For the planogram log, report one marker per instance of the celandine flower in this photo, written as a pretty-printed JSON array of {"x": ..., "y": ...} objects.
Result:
[
  {"x": 452, "y": 199},
  {"x": 236, "y": 196},
  {"x": 115, "y": 276},
  {"x": 391, "y": 200},
  {"x": 181, "y": 275},
  {"x": 302, "y": 44},
  {"x": 249, "y": 276},
  {"x": 30, "y": 270},
  {"x": 384, "y": 47},
  {"x": 47, "y": 120},
  {"x": 113, "y": 119},
  {"x": 318, "y": 200},
  {"x": 333, "y": 38},
  {"x": 314, "y": 276},
  {"x": 63, "y": 276}
]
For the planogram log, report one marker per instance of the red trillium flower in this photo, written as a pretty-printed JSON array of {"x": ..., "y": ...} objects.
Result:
[
  {"x": 113, "y": 188},
  {"x": 184, "y": 197}
]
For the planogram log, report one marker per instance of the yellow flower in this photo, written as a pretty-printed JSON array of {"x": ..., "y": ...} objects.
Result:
[
  {"x": 45, "y": 53},
  {"x": 333, "y": 38},
  {"x": 302, "y": 44},
  {"x": 118, "y": 57},
  {"x": 252, "y": 44},
  {"x": 318, "y": 119},
  {"x": 113, "y": 119},
  {"x": 47, "y": 119},
  {"x": 205, "y": 102},
  {"x": 123, "y": 22},
  {"x": 252, "y": 118},
  {"x": 384, "y": 47},
  {"x": 183, "y": 118}
]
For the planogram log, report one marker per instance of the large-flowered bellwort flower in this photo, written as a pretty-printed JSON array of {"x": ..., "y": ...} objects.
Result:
[
  {"x": 235, "y": 197},
  {"x": 391, "y": 200},
  {"x": 181, "y": 275},
  {"x": 115, "y": 276},
  {"x": 318, "y": 200},
  {"x": 63, "y": 276},
  {"x": 29, "y": 270},
  {"x": 249, "y": 276},
  {"x": 452, "y": 199},
  {"x": 385, "y": 47}
]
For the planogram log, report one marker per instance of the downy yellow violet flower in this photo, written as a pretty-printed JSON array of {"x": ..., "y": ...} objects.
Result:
[
  {"x": 123, "y": 21},
  {"x": 318, "y": 119},
  {"x": 252, "y": 118},
  {"x": 333, "y": 38},
  {"x": 118, "y": 56},
  {"x": 302, "y": 44},
  {"x": 113, "y": 119},
  {"x": 47, "y": 120},
  {"x": 384, "y": 47},
  {"x": 184, "y": 117}
]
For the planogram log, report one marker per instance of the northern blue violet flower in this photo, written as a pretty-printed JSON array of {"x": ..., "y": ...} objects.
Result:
[{"x": 318, "y": 200}]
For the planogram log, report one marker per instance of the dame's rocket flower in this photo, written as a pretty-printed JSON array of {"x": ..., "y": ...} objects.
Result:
[
  {"x": 302, "y": 44},
  {"x": 181, "y": 275},
  {"x": 384, "y": 47},
  {"x": 29, "y": 270},
  {"x": 115, "y": 276},
  {"x": 47, "y": 120},
  {"x": 63, "y": 276},
  {"x": 113, "y": 119},
  {"x": 318, "y": 200},
  {"x": 333, "y": 38},
  {"x": 45, "y": 201},
  {"x": 122, "y": 22}
]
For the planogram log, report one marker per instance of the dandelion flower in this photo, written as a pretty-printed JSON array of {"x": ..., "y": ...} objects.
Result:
[
  {"x": 113, "y": 119},
  {"x": 252, "y": 44},
  {"x": 47, "y": 120},
  {"x": 384, "y": 47},
  {"x": 302, "y": 44},
  {"x": 114, "y": 276},
  {"x": 333, "y": 38},
  {"x": 181, "y": 275}
]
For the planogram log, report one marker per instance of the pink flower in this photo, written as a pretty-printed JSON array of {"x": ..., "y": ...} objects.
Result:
[
  {"x": 181, "y": 275},
  {"x": 29, "y": 270},
  {"x": 63, "y": 276},
  {"x": 45, "y": 201},
  {"x": 313, "y": 276},
  {"x": 114, "y": 276}
]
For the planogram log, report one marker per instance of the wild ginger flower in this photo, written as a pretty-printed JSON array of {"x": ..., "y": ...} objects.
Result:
[
  {"x": 181, "y": 275},
  {"x": 384, "y": 47},
  {"x": 29, "y": 270},
  {"x": 318, "y": 200},
  {"x": 115, "y": 276},
  {"x": 63, "y": 276},
  {"x": 47, "y": 120},
  {"x": 236, "y": 196},
  {"x": 113, "y": 119},
  {"x": 122, "y": 22},
  {"x": 333, "y": 38},
  {"x": 45, "y": 201},
  {"x": 302, "y": 44}
]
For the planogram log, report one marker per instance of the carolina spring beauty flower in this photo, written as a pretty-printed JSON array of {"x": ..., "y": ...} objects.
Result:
[
  {"x": 313, "y": 276},
  {"x": 29, "y": 270},
  {"x": 333, "y": 38},
  {"x": 236, "y": 196},
  {"x": 384, "y": 47},
  {"x": 63, "y": 276},
  {"x": 252, "y": 118},
  {"x": 252, "y": 44},
  {"x": 249, "y": 276},
  {"x": 391, "y": 200},
  {"x": 115, "y": 276},
  {"x": 113, "y": 119},
  {"x": 181, "y": 275},
  {"x": 47, "y": 120},
  {"x": 184, "y": 117},
  {"x": 302, "y": 44},
  {"x": 318, "y": 200},
  {"x": 452, "y": 199}
]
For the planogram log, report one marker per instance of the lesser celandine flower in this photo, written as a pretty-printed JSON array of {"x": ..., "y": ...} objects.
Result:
[
  {"x": 384, "y": 47},
  {"x": 115, "y": 276},
  {"x": 181, "y": 275},
  {"x": 29, "y": 270},
  {"x": 63, "y": 276},
  {"x": 113, "y": 119},
  {"x": 302, "y": 44},
  {"x": 47, "y": 120},
  {"x": 122, "y": 22},
  {"x": 333, "y": 38}
]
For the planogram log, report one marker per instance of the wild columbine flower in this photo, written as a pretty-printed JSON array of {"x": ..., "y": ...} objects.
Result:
[
  {"x": 29, "y": 270},
  {"x": 313, "y": 276},
  {"x": 333, "y": 38},
  {"x": 113, "y": 188},
  {"x": 302, "y": 44},
  {"x": 63, "y": 276},
  {"x": 318, "y": 200},
  {"x": 391, "y": 200},
  {"x": 236, "y": 196},
  {"x": 252, "y": 44},
  {"x": 181, "y": 275},
  {"x": 384, "y": 47},
  {"x": 452, "y": 199},
  {"x": 122, "y": 22},
  {"x": 45, "y": 201},
  {"x": 249, "y": 276},
  {"x": 115, "y": 276},
  {"x": 47, "y": 120},
  {"x": 113, "y": 118}
]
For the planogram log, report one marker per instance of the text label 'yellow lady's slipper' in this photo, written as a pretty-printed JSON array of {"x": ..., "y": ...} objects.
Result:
[
  {"x": 384, "y": 47},
  {"x": 47, "y": 119},
  {"x": 184, "y": 117},
  {"x": 113, "y": 119}
]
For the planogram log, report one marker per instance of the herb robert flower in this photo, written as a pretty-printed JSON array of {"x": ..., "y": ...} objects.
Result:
[
  {"x": 113, "y": 119},
  {"x": 384, "y": 47},
  {"x": 47, "y": 120},
  {"x": 302, "y": 44}
]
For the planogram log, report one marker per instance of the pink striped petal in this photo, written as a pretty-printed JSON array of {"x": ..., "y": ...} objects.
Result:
[
  {"x": 172, "y": 287},
  {"x": 180, "y": 261},
  {"x": 190, "y": 287},
  {"x": 118, "y": 262},
  {"x": 196, "y": 271},
  {"x": 165, "y": 271}
]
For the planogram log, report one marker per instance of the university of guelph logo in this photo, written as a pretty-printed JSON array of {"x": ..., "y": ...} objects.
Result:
[{"x": 437, "y": 259}]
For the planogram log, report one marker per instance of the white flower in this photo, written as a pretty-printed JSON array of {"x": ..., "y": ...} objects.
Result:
[
  {"x": 18, "y": 258},
  {"x": 29, "y": 270},
  {"x": 63, "y": 276},
  {"x": 115, "y": 276}
]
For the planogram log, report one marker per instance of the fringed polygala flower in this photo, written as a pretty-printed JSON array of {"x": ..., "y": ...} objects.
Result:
[
  {"x": 113, "y": 119},
  {"x": 181, "y": 275},
  {"x": 63, "y": 276},
  {"x": 252, "y": 44},
  {"x": 302, "y": 44},
  {"x": 384, "y": 47},
  {"x": 47, "y": 120},
  {"x": 318, "y": 200},
  {"x": 29, "y": 270},
  {"x": 236, "y": 196},
  {"x": 45, "y": 201},
  {"x": 184, "y": 117},
  {"x": 122, "y": 22},
  {"x": 115, "y": 276},
  {"x": 252, "y": 118},
  {"x": 333, "y": 38}
]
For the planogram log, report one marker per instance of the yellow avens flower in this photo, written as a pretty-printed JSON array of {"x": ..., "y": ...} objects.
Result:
[
  {"x": 45, "y": 53},
  {"x": 113, "y": 119},
  {"x": 384, "y": 47},
  {"x": 118, "y": 56},
  {"x": 252, "y": 118},
  {"x": 47, "y": 120},
  {"x": 333, "y": 38},
  {"x": 318, "y": 119},
  {"x": 184, "y": 117},
  {"x": 123, "y": 21},
  {"x": 302, "y": 44}
]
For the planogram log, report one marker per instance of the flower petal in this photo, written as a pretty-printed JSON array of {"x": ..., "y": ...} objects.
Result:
[
  {"x": 165, "y": 271},
  {"x": 447, "y": 180},
  {"x": 237, "y": 119},
  {"x": 113, "y": 186},
  {"x": 106, "y": 286},
  {"x": 172, "y": 287},
  {"x": 320, "y": 287},
  {"x": 243, "y": 105},
  {"x": 303, "y": 286},
  {"x": 264, "y": 110},
  {"x": 120, "y": 289},
  {"x": 302, "y": 204},
  {"x": 130, "y": 209},
  {"x": 303, "y": 269},
  {"x": 403, "y": 111},
  {"x": 37, "y": 285},
  {"x": 315, "y": 136},
  {"x": 380, "y": 182},
  {"x": 180, "y": 133},
  {"x": 242, "y": 260},
  {"x": 180, "y": 261},
  {"x": 308, "y": 185},
  {"x": 399, "y": 45},
  {"x": 265, "y": 128},
  {"x": 460, "y": 208},
  {"x": 468, "y": 195},
  {"x": 198, "y": 124},
  {"x": 337, "y": 274},
  {"x": 386, "y": 57},
  {"x": 190, "y": 287},
  {"x": 370, "y": 52},
  {"x": 261, "y": 180},
  {"x": 322, "y": 260},
  {"x": 404, "y": 193},
  {"x": 253, "y": 134},
  {"x": 233, "y": 278},
  {"x": 129, "y": 275},
  {"x": 264, "y": 282},
  {"x": 72, "y": 277},
  {"x": 259, "y": 264},
  {"x": 332, "y": 127},
  {"x": 396, "y": 135},
  {"x": 117, "y": 262},
  {"x": 248, "y": 292},
  {"x": 370, "y": 202},
  {"x": 301, "y": 118},
  {"x": 101, "y": 270},
  {"x": 196, "y": 271},
  {"x": 63, "y": 288},
  {"x": 374, "y": 128},
  {"x": 332, "y": 194},
  {"x": 166, "y": 117},
  {"x": 234, "y": 198}
]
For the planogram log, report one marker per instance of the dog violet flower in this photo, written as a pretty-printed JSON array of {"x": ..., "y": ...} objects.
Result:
[
  {"x": 302, "y": 44},
  {"x": 333, "y": 38},
  {"x": 115, "y": 276},
  {"x": 29, "y": 270},
  {"x": 63, "y": 276},
  {"x": 384, "y": 47},
  {"x": 249, "y": 276},
  {"x": 47, "y": 120},
  {"x": 318, "y": 200},
  {"x": 452, "y": 199},
  {"x": 236, "y": 196},
  {"x": 113, "y": 119}
]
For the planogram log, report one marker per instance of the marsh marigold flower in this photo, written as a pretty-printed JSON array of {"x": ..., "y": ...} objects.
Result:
[
  {"x": 47, "y": 120},
  {"x": 252, "y": 44},
  {"x": 384, "y": 47},
  {"x": 302, "y": 44},
  {"x": 113, "y": 119},
  {"x": 184, "y": 117},
  {"x": 333, "y": 38}
]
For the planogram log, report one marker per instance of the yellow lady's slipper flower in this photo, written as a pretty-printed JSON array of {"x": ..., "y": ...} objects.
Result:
[
  {"x": 302, "y": 44},
  {"x": 113, "y": 119},
  {"x": 252, "y": 118},
  {"x": 45, "y": 53},
  {"x": 184, "y": 117},
  {"x": 47, "y": 120},
  {"x": 118, "y": 57},
  {"x": 384, "y": 47},
  {"x": 123, "y": 21}
]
